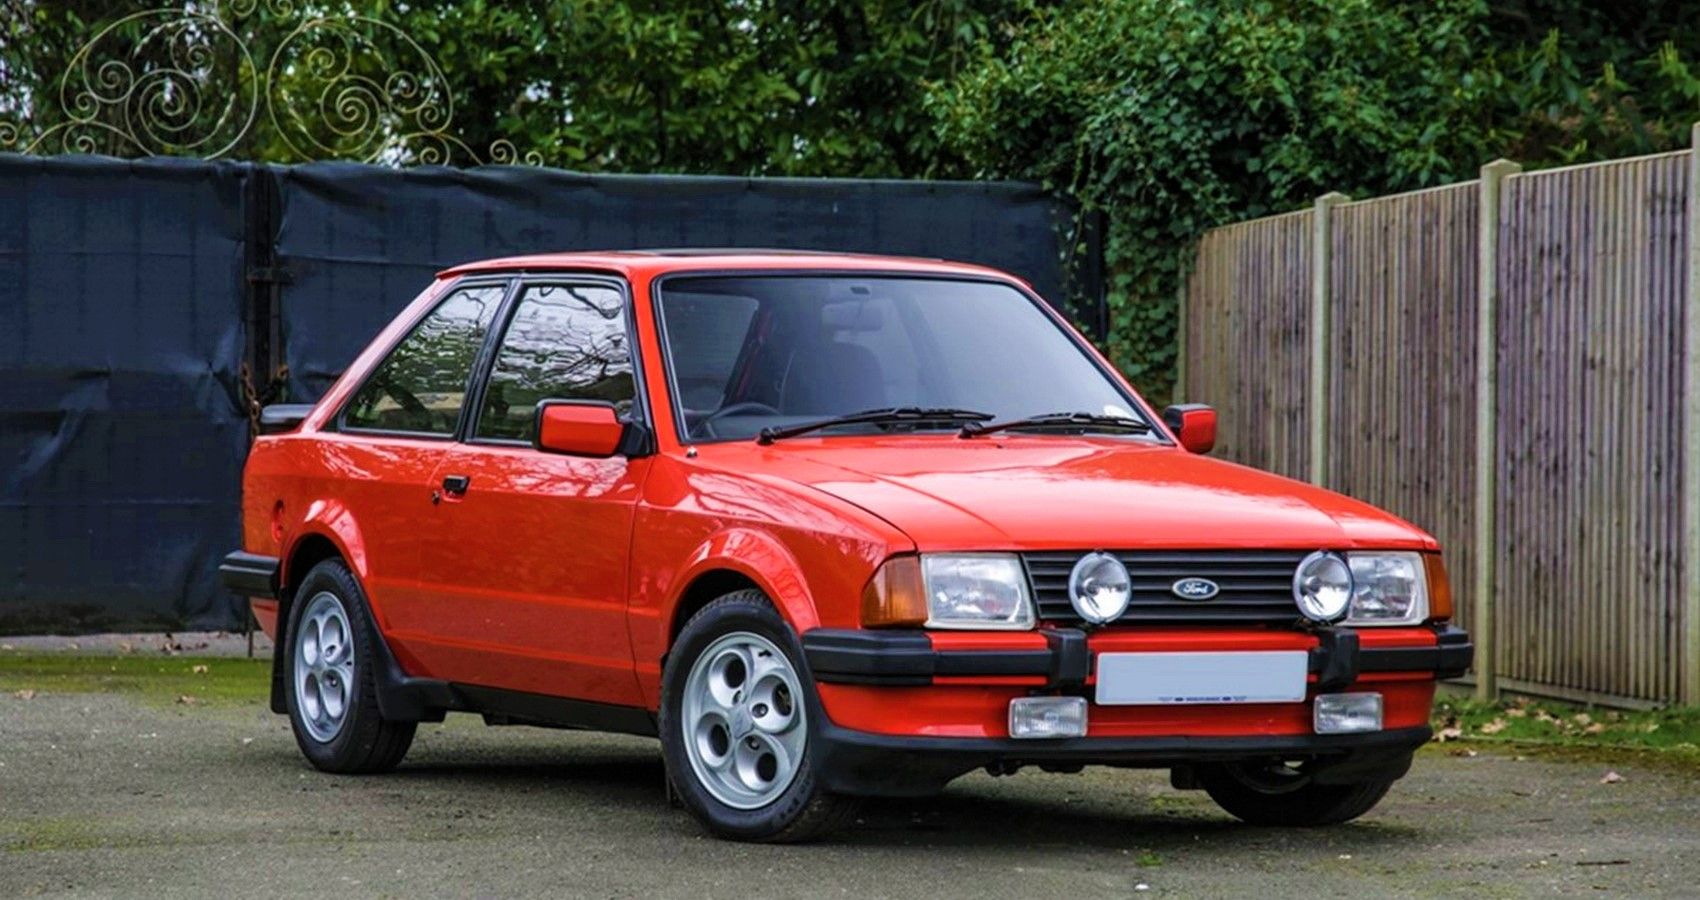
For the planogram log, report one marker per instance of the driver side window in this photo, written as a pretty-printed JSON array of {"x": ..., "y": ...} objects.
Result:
[
  {"x": 564, "y": 342},
  {"x": 420, "y": 387}
]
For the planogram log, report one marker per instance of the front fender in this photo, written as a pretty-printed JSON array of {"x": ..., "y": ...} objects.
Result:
[{"x": 758, "y": 556}]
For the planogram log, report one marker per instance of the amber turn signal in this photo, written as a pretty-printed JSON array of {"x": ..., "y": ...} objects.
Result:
[
  {"x": 894, "y": 595},
  {"x": 1439, "y": 587}
]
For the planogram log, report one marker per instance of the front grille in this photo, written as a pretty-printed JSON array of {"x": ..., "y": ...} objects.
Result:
[{"x": 1256, "y": 586}]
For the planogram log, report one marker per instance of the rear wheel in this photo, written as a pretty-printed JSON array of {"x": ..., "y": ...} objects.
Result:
[
  {"x": 736, "y": 722},
  {"x": 1283, "y": 793},
  {"x": 332, "y": 695}
]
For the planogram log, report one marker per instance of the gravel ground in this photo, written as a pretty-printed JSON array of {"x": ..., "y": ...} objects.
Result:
[{"x": 127, "y": 795}]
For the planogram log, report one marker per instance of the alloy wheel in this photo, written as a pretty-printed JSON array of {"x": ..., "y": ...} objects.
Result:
[
  {"x": 324, "y": 667},
  {"x": 745, "y": 727}
]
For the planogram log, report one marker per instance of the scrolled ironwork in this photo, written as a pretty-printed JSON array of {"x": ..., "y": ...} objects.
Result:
[
  {"x": 184, "y": 82},
  {"x": 169, "y": 94}
]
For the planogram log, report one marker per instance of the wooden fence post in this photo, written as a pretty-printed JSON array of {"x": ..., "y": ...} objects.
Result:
[
  {"x": 1321, "y": 331},
  {"x": 1690, "y": 685},
  {"x": 1183, "y": 328},
  {"x": 1482, "y": 623}
]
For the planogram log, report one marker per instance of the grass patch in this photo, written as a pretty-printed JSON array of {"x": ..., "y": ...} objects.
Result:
[
  {"x": 170, "y": 679},
  {"x": 51, "y": 834},
  {"x": 1664, "y": 736}
]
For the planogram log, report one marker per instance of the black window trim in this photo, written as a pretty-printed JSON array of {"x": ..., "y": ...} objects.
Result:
[
  {"x": 641, "y": 412},
  {"x": 507, "y": 282},
  {"x": 659, "y": 283}
]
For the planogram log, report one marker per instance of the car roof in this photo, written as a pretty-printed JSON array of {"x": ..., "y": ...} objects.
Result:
[{"x": 651, "y": 262}]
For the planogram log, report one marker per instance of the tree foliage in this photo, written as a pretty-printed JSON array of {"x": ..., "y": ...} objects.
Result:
[
  {"x": 1171, "y": 116},
  {"x": 1178, "y": 115},
  {"x": 805, "y": 87}
]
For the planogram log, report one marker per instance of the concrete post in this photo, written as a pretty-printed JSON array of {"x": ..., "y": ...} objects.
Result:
[
  {"x": 1487, "y": 426},
  {"x": 1691, "y": 439},
  {"x": 1321, "y": 332}
]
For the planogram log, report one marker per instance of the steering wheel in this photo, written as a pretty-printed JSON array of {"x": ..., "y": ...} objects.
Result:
[
  {"x": 742, "y": 407},
  {"x": 405, "y": 399}
]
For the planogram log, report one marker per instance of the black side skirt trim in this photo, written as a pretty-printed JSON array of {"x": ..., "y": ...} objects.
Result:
[{"x": 406, "y": 698}]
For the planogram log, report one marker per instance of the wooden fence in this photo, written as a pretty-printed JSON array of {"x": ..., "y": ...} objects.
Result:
[{"x": 1512, "y": 363}]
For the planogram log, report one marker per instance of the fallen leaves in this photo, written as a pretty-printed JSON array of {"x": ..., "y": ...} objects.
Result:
[
  {"x": 25, "y": 694},
  {"x": 1611, "y": 778},
  {"x": 1494, "y": 727},
  {"x": 199, "y": 670},
  {"x": 1449, "y": 733},
  {"x": 187, "y": 700}
]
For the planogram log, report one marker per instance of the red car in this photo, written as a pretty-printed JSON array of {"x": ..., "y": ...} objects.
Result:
[{"x": 830, "y": 526}]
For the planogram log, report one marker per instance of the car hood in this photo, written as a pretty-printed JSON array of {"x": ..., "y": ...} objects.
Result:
[{"x": 1049, "y": 492}]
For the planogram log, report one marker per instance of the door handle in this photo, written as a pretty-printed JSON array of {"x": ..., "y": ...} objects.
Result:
[{"x": 456, "y": 484}]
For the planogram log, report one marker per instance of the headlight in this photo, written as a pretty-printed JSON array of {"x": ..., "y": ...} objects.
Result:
[
  {"x": 979, "y": 590},
  {"x": 1388, "y": 588},
  {"x": 1322, "y": 586}
]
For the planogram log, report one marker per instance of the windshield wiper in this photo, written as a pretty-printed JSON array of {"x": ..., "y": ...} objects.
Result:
[
  {"x": 877, "y": 417},
  {"x": 1083, "y": 420}
]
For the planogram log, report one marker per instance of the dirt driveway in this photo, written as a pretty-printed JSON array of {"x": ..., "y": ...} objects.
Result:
[{"x": 106, "y": 794}]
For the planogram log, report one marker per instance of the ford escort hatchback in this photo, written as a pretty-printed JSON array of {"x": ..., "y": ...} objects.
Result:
[{"x": 830, "y": 527}]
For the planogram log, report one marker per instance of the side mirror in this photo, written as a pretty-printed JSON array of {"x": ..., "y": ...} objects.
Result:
[
  {"x": 578, "y": 428},
  {"x": 1194, "y": 424},
  {"x": 279, "y": 418}
]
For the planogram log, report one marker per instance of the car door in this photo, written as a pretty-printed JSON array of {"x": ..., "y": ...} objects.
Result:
[
  {"x": 389, "y": 438},
  {"x": 524, "y": 554}
]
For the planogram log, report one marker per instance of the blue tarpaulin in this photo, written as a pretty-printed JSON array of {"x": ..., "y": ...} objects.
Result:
[{"x": 137, "y": 296}]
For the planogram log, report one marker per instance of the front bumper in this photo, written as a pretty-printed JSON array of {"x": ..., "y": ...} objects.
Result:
[
  {"x": 859, "y": 763},
  {"x": 909, "y": 658},
  {"x": 906, "y": 711}
]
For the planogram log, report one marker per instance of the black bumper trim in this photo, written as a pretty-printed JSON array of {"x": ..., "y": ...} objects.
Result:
[
  {"x": 1450, "y": 657},
  {"x": 907, "y": 658},
  {"x": 867, "y": 764},
  {"x": 250, "y": 574}
]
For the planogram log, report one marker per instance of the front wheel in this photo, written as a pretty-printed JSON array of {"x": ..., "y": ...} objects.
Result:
[
  {"x": 1284, "y": 794},
  {"x": 736, "y": 723}
]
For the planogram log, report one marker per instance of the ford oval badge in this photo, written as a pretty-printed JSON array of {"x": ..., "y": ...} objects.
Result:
[{"x": 1195, "y": 589}]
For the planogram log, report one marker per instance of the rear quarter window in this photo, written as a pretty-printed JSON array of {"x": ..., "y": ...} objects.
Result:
[{"x": 420, "y": 387}]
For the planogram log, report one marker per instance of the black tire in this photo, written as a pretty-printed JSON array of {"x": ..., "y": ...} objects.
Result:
[
  {"x": 366, "y": 742},
  {"x": 803, "y": 811},
  {"x": 1250, "y": 793}
]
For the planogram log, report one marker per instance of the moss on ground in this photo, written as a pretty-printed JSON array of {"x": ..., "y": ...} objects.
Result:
[
  {"x": 164, "y": 679},
  {"x": 1664, "y": 738}
]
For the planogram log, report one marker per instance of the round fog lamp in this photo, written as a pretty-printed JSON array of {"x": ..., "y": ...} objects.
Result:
[
  {"x": 1099, "y": 588},
  {"x": 1323, "y": 586}
]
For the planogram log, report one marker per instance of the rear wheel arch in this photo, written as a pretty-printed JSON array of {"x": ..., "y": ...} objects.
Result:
[{"x": 310, "y": 550}]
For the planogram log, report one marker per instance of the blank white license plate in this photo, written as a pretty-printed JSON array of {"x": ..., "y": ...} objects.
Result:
[{"x": 1150, "y": 679}]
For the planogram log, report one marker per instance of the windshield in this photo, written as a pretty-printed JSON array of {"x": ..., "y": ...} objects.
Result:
[{"x": 769, "y": 351}]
